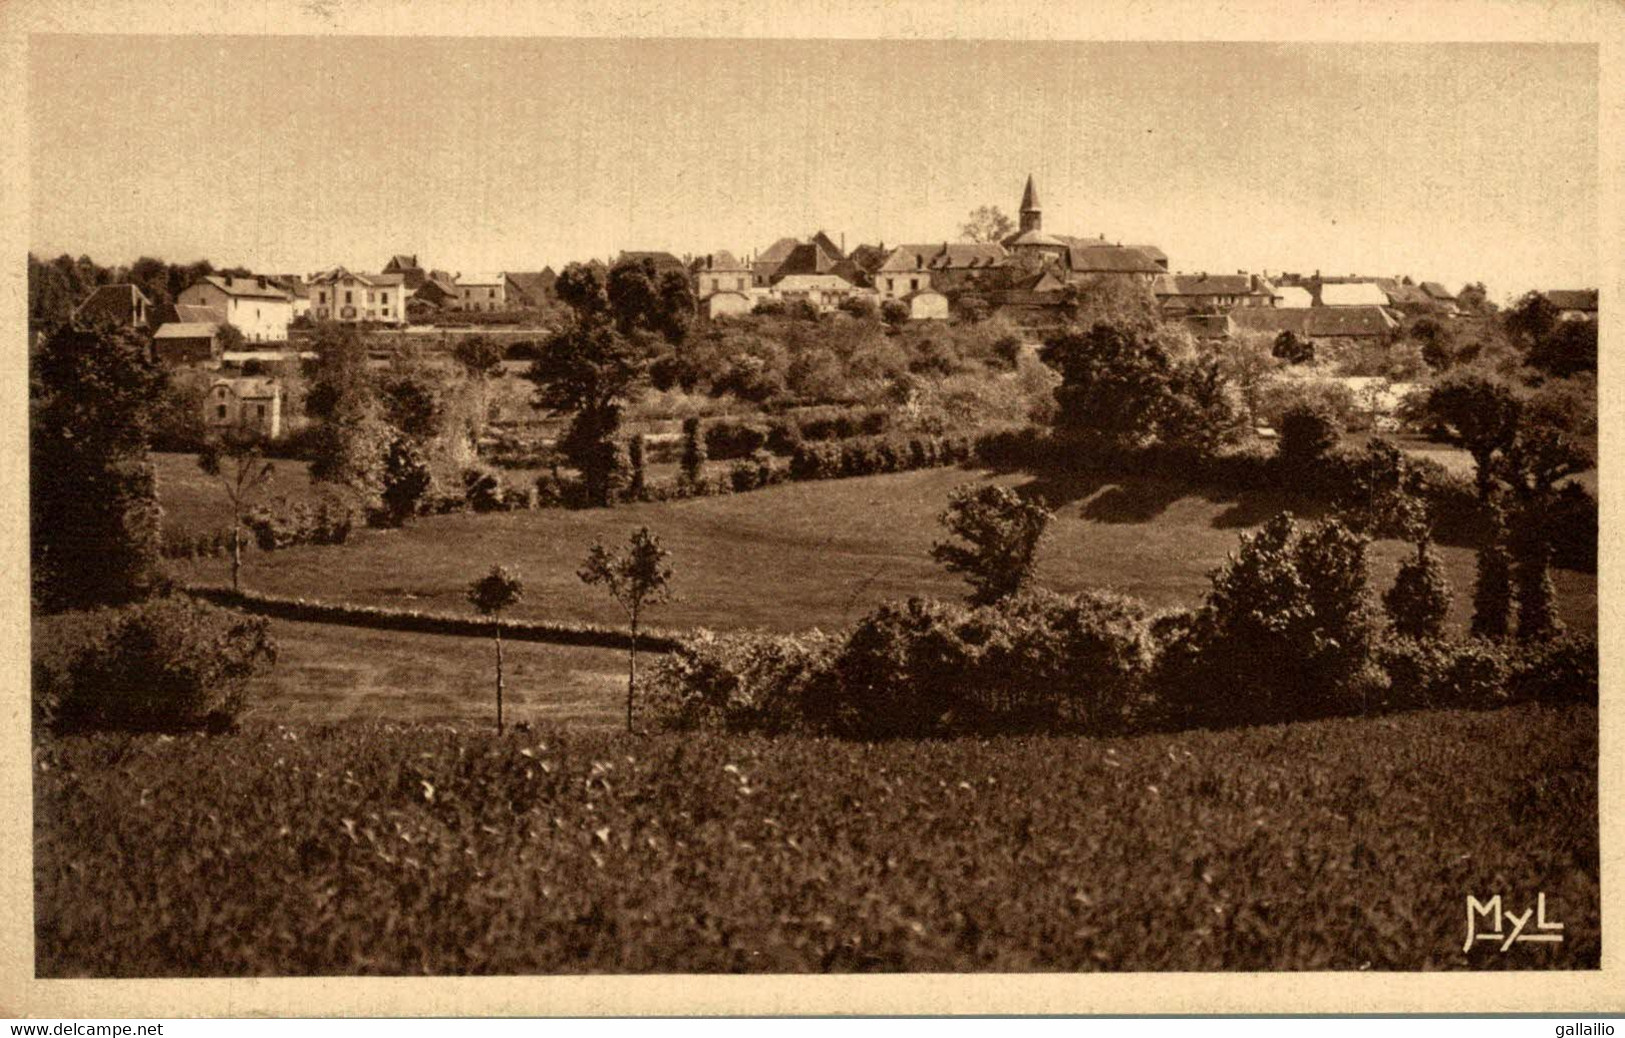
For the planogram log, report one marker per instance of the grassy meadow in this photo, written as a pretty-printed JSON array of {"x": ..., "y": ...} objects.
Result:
[
  {"x": 366, "y": 849},
  {"x": 330, "y": 674},
  {"x": 817, "y": 554}
]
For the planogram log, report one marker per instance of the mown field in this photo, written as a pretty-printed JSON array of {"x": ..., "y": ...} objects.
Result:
[
  {"x": 1343, "y": 845},
  {"x": 326, "y": 673},
  {"x": 817, "y": 554}
]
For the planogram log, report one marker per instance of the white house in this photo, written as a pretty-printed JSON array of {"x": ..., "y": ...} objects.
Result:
[
  {"x": 245, "y": 403},
  {"x": 824, "y": 291},
  {"x": 350, "y": 298},
  {"x": 252, "y": 305}
]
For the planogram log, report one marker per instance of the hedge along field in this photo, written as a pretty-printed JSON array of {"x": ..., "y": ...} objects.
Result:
[
  {"x": 1346, "y": 845},
  {"x": 816, "y": 553},
  {"x": 327, "y": 673}
]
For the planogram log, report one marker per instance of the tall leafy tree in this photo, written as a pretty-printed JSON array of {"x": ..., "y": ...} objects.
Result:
[
  {"x": 589, "y": 371},
  {"x": 986, "y": 223},
  {"x": 93, "y": 501},
  {"x": 1001, "y": 531}
]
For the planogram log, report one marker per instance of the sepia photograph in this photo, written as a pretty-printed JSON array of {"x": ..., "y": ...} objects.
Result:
[{"x": 526, "y": 505}]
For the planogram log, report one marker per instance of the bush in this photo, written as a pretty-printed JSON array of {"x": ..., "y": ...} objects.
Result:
[
  {"x": 693, "y": 459},
  {"x": 1308, "y": 431},
  {"x": 1436, "y": 674},
  {"x": 1284, "y": 635},
  {"x": 1559, "y": 670},
  {"x": 1419, "y": 601},
  {"x": 894, "y": 312},
  {"x": 742, "y": 682},
  {"x": 1036, "y": 661},
  {"x": 167, "y": 664},
  {"x": 728, "y": 441},
  {"x": 484, "y": 491}
]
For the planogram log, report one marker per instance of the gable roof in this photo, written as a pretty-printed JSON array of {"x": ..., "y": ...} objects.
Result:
[
  {"x": 114, "y": 302},
  {"x": 480, "y": 280},
  {"x": 1358, "y": 293},
  {"x": 721, "y": 260},
  {"x": 1207, "y": 285},
  {"x": 776, "y": 252},
  {"x": 1109, "y": 259},
  {"x": 965, "y": 255},
  {"x": 1438, "y": 291},
  {"x": 533, "y": 286},
  {"x": 246, "y": 288},
  {"x": 807, "y": 258},
  {"x": 1572, "y": 298},
  {"x": 1316, "y": 322},
  {"x": 1152, "y": 253},
  {"x": 827, "y": 243},
  {"x": 186, "y": 330},
  {"x": 400, "y": 263},
  {"x": 1294, "y": 297},
  {"x": 1031, "y": 238},
  {"x": 869, "y": 257},
  {"x": 908, "y": 257}
]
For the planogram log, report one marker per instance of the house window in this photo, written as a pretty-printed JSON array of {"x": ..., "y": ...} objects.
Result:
[
  {"x": 913, "y": 284},
  {"x": 220, "y": 412},
  {"x": 262, "y": 410},
  {"x": 349, "y": 297},
  {"x": 321, "y": 297},
  {"x": 890, "y": 284},
  {"x": 385, "y": 299},
  {"x": 491, "y": 293},
  {"x": 739, "y": 283}
]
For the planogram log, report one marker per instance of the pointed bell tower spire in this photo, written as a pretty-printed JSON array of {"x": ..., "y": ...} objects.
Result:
[{"x": 1032, "y": 217}]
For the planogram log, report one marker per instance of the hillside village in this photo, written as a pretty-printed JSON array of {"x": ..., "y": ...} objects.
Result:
[
  {"x": 1031, "y": 277},
  {"x": 1015, "y": 598}
]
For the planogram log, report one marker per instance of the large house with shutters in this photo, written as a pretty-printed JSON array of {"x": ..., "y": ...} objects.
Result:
[
  {"x": 255, "y": 306},
  {"x": 351, "y": 298}
]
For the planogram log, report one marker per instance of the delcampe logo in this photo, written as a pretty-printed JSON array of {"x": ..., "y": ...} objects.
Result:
[{"x": 1480, "y": 911}]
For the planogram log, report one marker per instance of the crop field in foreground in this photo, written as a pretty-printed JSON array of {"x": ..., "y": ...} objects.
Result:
[
  {"x": 818, "y": 554},
  {"x": 361, "y": 849}
]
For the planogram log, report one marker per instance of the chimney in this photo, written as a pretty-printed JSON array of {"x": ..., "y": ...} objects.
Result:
[
  {"x": 228, "y": 280},
  {"x": 843, "y": 242}
]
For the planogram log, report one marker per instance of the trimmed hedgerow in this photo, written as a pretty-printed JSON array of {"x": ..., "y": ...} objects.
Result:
[{"x": 385, "y": 619}]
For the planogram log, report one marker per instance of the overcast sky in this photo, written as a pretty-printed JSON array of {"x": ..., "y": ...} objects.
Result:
[{"x": 283, "y": 154}]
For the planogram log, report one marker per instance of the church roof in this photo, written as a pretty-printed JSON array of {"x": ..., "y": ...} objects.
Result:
[
  {"x": 1029, "y": 197},
  {"x": 1030, "y": 238}
]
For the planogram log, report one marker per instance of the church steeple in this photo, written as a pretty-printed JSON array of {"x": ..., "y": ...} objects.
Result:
[{"x": 1032, "y": 217}]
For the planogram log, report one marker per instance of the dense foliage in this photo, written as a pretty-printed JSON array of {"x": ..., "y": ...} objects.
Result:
[
  {"x": 386, "y": 850},
  {"x": 167, "y": 664},
  {"x": 1000, "y": 531},
  {"x": 94, "y": 534}
]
